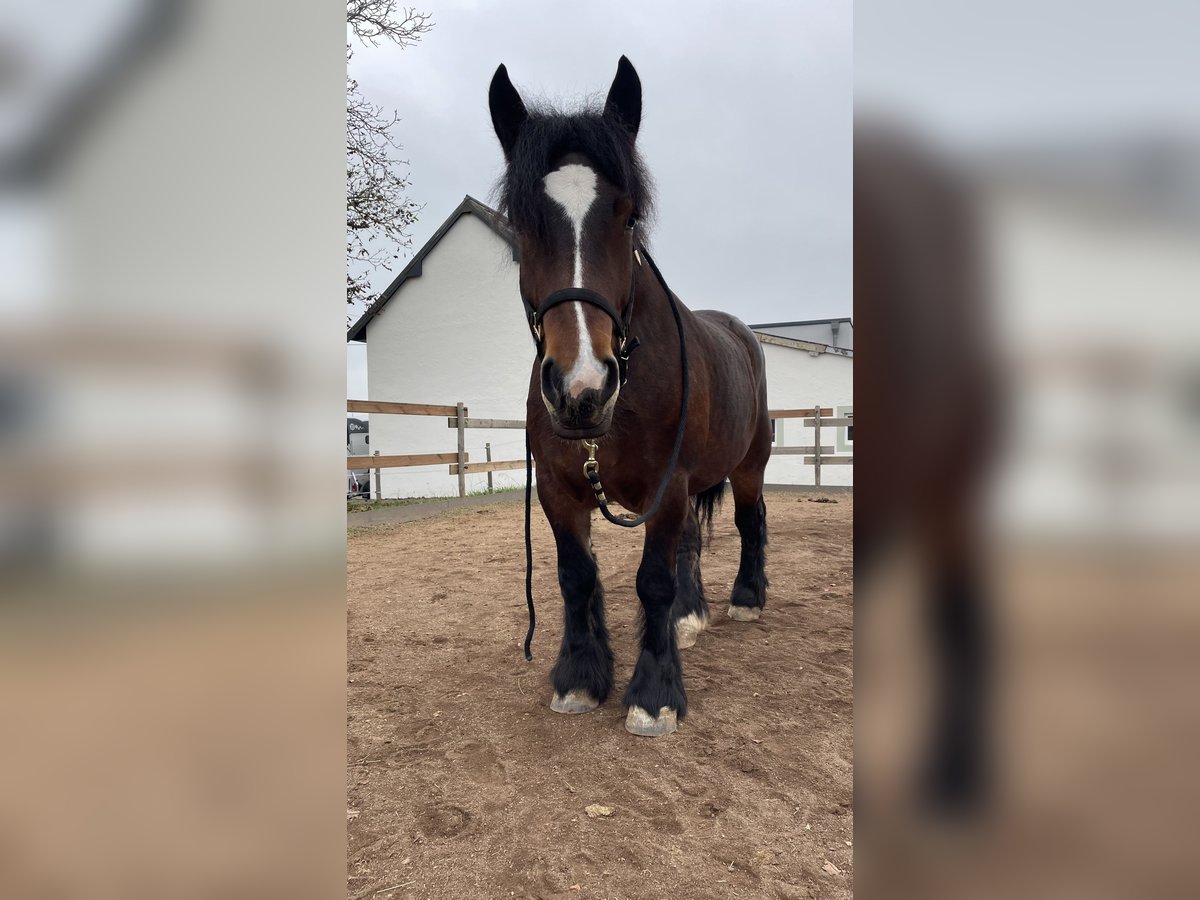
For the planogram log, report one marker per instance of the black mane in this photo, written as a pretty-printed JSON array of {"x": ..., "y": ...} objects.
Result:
[{"x": 548, "y": 135}]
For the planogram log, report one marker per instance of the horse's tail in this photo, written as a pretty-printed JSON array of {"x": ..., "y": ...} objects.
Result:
[{"x": 706, "y": 503}]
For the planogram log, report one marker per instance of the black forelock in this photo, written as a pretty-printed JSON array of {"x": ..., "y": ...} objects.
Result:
[{"x": 547, "y": 136}]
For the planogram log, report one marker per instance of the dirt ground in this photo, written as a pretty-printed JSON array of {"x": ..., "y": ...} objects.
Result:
[{"x": 462, "y": 783}]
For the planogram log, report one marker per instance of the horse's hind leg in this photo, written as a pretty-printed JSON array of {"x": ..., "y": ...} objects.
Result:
[
  {"x": 750, "y": 515},
  {"x": 689, "y": 612}
]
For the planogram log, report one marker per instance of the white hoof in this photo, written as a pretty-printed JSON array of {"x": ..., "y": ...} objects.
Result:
[
  {"x": 744, "y": 613},
  {"x": 638, "y": 721},
  {"x": 573, "y": 702},
  {"x": 687, "y": 630}
]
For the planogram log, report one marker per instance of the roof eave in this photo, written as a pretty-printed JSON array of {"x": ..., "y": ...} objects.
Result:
[{"x": 489, "y": 217}]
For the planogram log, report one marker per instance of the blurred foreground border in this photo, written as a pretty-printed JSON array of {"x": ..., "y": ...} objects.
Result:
[
  {"x": 171, "y": 524},
  {"x": 1042, "y": 340}
]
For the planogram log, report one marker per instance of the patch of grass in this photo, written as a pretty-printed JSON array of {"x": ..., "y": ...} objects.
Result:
[
  {"x": 353, "y": 506},
  {"x": 500, "y": 490}
]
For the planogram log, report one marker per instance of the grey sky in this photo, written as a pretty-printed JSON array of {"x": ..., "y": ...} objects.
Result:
[
  {"x": 746, "y": 130},
  {"x": 1037, "y": 70}
]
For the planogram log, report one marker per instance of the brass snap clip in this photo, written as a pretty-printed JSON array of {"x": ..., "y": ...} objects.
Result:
[{"x": 591, "y": 465}]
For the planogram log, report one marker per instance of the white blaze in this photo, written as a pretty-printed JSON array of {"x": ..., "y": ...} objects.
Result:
[{"x": 573, "y": 188}]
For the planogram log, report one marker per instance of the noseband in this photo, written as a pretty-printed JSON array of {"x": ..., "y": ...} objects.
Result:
[{"x": 583, "y": 295}]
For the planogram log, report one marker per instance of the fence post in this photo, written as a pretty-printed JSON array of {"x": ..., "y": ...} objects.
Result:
[
  {"x": 488, "y": 448},
  {"x": 462, "y": 446},
  {"x": 817, "y": 445},
  {"x": 378, "y": 481}
]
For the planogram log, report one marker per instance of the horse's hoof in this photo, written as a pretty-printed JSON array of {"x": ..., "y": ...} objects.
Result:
[
  {"x": 687, "y": 630},
  {"x": 638, "y": 721},
  {"x": 744, "y": 613},
  {"x": 573, "y": 702}
]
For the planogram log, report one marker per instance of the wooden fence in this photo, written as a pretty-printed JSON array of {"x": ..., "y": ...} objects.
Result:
[{"x": 815, "y": 455}]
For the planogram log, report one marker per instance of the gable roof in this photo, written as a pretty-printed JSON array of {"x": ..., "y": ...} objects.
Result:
[{"x": 492, "y": 219}]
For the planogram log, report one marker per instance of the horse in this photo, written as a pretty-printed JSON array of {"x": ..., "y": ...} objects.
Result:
[
  {"x": 928, "y": 403},
  {"x": 660, "y": 431}
]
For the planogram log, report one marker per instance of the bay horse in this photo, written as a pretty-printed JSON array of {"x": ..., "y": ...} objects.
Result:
[{"x": 664, "y": 428}]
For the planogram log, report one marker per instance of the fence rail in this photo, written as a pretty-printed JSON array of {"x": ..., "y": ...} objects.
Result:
[
  {"x": 401, "y": 409},
  {"x": 823, "y": 411},
  {"x": 452, "y": 422},
  {"x": 391, "y": 462},
  {"x": 480, "y": 468},
  {"x": 815, "y": 454}
]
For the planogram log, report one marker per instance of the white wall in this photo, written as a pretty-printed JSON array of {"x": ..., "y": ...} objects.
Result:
[
  {"x": 796, "y": 380},
  {"x": 456, "y": 333}
]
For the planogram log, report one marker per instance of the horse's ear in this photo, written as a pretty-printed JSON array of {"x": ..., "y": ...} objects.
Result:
[
  {"x": 624, "y": 101},
  {"x": 508, "y": 111}
]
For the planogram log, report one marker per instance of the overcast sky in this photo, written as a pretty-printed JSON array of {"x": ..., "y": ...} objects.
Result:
[
  {"x": 746, "y": 129},
  {"x": 978, "y": 75}
]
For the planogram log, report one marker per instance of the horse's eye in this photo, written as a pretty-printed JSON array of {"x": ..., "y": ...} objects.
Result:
[{"x": 631, "y": 224}]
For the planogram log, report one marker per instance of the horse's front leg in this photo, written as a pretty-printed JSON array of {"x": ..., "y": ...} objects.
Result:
[
  {"x": 583, "y": 675},
  {"x": 655, "y": 695}
]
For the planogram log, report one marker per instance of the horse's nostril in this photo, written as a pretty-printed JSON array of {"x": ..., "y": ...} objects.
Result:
[
  {"x": 551, "y": 381},
  {"x": 612, "y": 380}
]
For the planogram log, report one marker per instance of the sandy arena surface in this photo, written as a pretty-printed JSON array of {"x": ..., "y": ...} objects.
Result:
[{"x": 463, "y": 784}]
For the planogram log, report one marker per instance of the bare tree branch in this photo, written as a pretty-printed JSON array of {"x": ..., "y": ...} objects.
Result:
[
  {"x": 377, "y": 210},
  {"x": 373, "y": 20}
]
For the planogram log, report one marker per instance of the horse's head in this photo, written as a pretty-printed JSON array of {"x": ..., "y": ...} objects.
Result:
[{"x": 573, "y": 190}]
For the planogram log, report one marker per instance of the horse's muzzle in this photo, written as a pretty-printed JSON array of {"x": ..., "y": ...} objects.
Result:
[{"x": 587, "y": 414}]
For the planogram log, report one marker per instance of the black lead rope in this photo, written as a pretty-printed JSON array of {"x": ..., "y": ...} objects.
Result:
[
  {"x": 591, "y": 468},
  {"x": 528, "y": 546}
]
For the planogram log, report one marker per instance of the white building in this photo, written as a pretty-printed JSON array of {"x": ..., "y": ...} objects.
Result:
[
  {"x": 451, "y": 328},
  {"x": 804, "y": 375}
]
